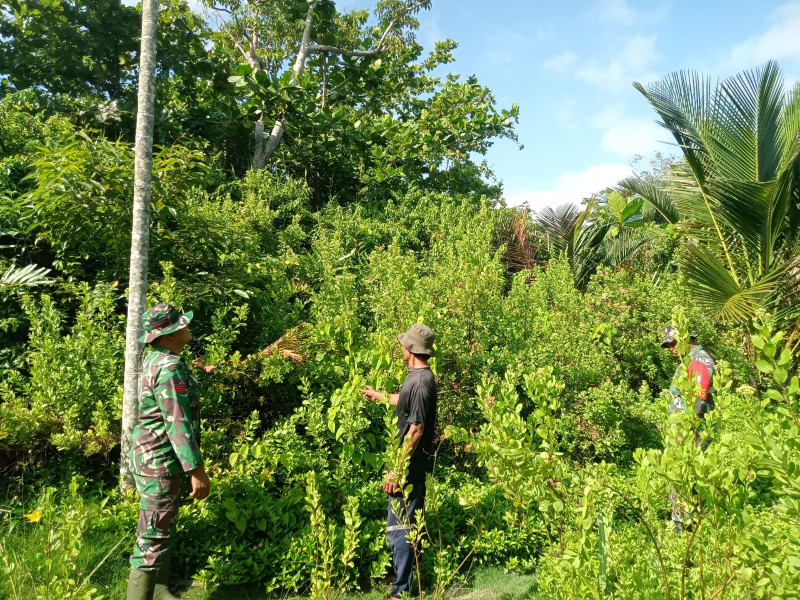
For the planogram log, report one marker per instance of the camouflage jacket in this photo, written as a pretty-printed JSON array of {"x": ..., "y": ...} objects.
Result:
[
  {"x": 701, "y": 371},
  {"x": 166, "y": 440}
]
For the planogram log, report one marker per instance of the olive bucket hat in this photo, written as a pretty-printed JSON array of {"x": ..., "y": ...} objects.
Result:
[
  {"x": 163, "y": 319},
  {"x": 418, "y": 339},
  {"x": 668, "y": 335}
]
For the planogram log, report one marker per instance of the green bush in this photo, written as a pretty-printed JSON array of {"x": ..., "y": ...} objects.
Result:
[{"x": 69, "y": 394}]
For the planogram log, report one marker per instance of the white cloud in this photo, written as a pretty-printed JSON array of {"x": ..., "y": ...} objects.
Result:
[
  {"x": 561, "y": 62},
  {"x": 564, "y": 112},
  {"x": 780, "y": 41},
  {"x": 572, "y": 187},
  {"x": 430, "y": 32},
  {"x": 619, "y": 12},
  {"x": 626, "y": 135},
  {"x": 544, "y": 32},
  {"x": 631, "y": 64},
  {"x": 504, "y": 45}
]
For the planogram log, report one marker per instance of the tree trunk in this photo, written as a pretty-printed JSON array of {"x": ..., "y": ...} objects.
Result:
[
  {"x": 140, "y": 234},
  {"x": 265, "y": 149},
  {"x": 258, "y": 152}
]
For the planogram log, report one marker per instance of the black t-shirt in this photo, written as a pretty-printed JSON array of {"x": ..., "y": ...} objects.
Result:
[{"x": 417, "y": 405}]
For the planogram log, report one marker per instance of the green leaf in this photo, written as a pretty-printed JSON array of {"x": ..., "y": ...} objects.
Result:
[
  {"x": 764, "y": 366},
  {"x": 785, "y": 357},
  {"x": 775, "y": 395},
  {"x": 617, "y": 204},
  {"x": 780, "y": 375},
  {"x": 629, "y": 214}
]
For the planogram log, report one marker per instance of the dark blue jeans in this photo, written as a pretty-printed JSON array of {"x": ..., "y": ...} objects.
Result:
[{"x": 403, "y": 554}]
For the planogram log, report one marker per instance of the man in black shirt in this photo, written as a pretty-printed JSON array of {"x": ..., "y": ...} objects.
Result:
[{"x": 416, "y": 425}]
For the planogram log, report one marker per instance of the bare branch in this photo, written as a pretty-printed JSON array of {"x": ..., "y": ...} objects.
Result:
[
  {"x": 394, "y": 21},
  {"x": 315, "y": 48},
  {"x": 251, "y": 10},
  {"x": 230, "y": 35},
  {"x": 249, "y": 55},
  {"x": 303, "y": 52},
  {"x": 307, "y": 48}
]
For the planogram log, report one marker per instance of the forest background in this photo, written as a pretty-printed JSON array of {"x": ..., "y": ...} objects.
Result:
[{"x": 307, "y": 215}]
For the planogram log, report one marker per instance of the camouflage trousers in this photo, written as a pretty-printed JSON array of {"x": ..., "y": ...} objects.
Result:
[
  {"x": 157, "y": 512},
  {"x": 680, "y": 516}
]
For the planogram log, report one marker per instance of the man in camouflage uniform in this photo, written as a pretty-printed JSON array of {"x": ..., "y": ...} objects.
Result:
[
  {"x": 701, "y": 372},
  {"x": 166, "y": 444}
]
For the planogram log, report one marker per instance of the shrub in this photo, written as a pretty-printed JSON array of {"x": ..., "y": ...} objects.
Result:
[{"x": 69, "y": 395}]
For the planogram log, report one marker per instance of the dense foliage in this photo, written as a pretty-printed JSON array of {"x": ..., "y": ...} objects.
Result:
[{"x": 555, "y": 451}]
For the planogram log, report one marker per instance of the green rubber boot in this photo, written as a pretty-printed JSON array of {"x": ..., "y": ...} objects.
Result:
[
  {"x": 161, "y": 581},
  {"x": 140, "y": 585}
]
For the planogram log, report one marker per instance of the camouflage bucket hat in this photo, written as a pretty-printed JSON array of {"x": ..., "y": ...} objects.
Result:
[
  {"x": 668, "y": 335},
  {"x": 418, "y": 339},
  {"x": 163, "y": 319}
]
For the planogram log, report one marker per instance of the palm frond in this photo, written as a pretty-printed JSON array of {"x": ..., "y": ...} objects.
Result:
[
  {"x": 689, "y": 198},
  {"x": 559, "y": 227},
  {"x": 745, "y": 126},
  {"x": 587, "y": 240},
  {"x": 790, "y": 130},
  {"x": 746, "y": 207},
  {"x": 793, "y": 200},
  {"x": 784, "y": 206},
  {"x": 27, "y": 276},
  {"x": 787, "y": 310},
  {"x": 790, "y": 137},
  {"x": 627, "y": 244},
  {"x": 714, "y": 288},
  {"x": 683, "y": 100},
  {"x": 656, "y": 194},
  {"x": 524, "y": 248}
]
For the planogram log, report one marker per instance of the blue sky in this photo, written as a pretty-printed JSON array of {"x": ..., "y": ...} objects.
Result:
[{"x": 570, "y": 66}]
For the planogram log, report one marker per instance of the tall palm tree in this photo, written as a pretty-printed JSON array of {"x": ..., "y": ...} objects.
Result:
[
  {"x": 140, "y": 232},
  {"x": 566, "y": 232},
  {"x": 736, "y": 192}
]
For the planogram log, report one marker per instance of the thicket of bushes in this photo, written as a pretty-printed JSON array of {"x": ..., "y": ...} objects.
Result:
[{"x": 556, "y": 453}]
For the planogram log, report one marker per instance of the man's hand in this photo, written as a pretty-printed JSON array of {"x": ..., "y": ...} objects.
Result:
[
  {"x": 197, "y": 364},
  {"x": 370, "y": 393},
  {"x": 390, "y": 484},
  {"x": 201, "y": 485}
]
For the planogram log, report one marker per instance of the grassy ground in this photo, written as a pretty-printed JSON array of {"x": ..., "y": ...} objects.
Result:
[
  {"x": 36, "y": 561},
  {"x": 23, "y": 566},
  {"x": 482, "y": 584}
]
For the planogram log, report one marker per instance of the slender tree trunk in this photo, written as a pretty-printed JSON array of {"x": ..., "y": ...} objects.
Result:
[
  {"x": 140, "y": 233},
  {"x": 259, "y": 160}
]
